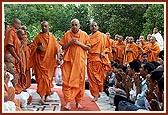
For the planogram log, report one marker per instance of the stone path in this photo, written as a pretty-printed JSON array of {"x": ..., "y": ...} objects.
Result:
[
  {"x": 103, "y": 102},
  {"x": 55, "y": 104}
]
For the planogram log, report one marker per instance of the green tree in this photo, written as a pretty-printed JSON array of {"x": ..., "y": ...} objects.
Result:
[
  {"x": 58, "y": 15},
  {"x": 124, "y": 19},
  {"x": 154, "y": 17}
]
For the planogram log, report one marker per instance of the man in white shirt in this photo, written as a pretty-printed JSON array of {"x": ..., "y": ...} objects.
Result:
[{"x": 159, "y": 38}]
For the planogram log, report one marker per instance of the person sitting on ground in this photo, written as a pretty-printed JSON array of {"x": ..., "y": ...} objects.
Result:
[
  {"x": 161, "y": 60},
  {"x": 154, "y": 104},
  {"x": 152, "y": 94},
  {"x": 144, "y": 57},
  {"x": 9, "y": 92},
  {"x": 24, "y": 97}
]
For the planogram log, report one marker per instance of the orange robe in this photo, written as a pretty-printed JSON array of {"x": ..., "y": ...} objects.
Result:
[
  {"x": 96, "y": 65},
  {"x": 22, "y": 81},
  {"x": 12, "y": 39},
  {"x": 112, "y": 55},
  {"x": 44, "y": 62},
  {"x": 146, "y": 47},
  {"x": 73, "y": 67},
  {"x": 140, "y": 52},
  {"x": 120, "y": 48},
  {"x": 130, "y": 56},
  {"x": 152, "y": 56},
  {"x": 27, "y": 64}
]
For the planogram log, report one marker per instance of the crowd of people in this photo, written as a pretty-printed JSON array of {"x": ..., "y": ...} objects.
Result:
[{"x": 133, "y": 72}]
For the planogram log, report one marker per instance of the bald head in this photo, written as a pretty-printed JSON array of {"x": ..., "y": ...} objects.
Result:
[
  {"x": 44, "y": 22},
  {"x": 94, "y": 27},
  {"x": 75, "y": 20},
  {"x": 141, "y": 38},
  {"x": 8, "y": 58},
  {"x": 131, "y": 39},
  {"x": 152, "y": 39},
  {"x": 16, "y": 23},
  {"x": 20, "y": 34},
  {"x": 108, "y": 34},
  {"x": 120, "y": 38},
  {"x": 75, "y": 25},
  {"x": 23, "y": 28},
  {"x": 45, "y": 27},
  {"x": 10, "y": 67}
]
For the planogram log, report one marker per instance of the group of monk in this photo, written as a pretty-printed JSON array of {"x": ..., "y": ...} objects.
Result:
[
  {"x": 16, "y": 66},
  {"x": 127, "y": 50},
  {"x": 79, "y": 49}
]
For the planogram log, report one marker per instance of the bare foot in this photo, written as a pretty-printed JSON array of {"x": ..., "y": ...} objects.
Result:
[
  {"x": 67, "y": 106},
  {"x": 94, "y": 99},
  {"x": 79, "y": 106},
  {"x": 29, "y": 100},
  {"x": 41, "y": 102}
]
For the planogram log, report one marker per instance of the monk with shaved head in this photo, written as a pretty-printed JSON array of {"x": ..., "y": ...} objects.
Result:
[
  {"x": 12, "y": 45},
  {"x": 153, "y": 49},
  {"x": 75, "y": 44},
  {"x": 98, "y": 61},
  {"x": 43, "y": 54},
  {"x": 27, "y": 51}
]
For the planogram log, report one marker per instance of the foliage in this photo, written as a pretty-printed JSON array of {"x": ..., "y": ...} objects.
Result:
[
  {"x": 154, "y": 16},
  {"x": 124, "y": 19}
]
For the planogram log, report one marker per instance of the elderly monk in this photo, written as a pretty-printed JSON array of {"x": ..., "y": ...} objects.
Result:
[
  {"x": 44, "y": 54},
  {"x": 75, "y": 44},
  {"x": 98, "y": 62},
  {"x": 26, "y": 50},
  {"x": 23, "y": 78},
  {"x": 153, "y": 50},
  {"x": 131, "y": 51}
]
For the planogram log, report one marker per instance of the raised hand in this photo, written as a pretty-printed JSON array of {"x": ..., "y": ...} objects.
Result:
[
  {"x": 137, "y": 79},
  {"x": 128, "y": 84},
  {"x": 40, "y": 47}
]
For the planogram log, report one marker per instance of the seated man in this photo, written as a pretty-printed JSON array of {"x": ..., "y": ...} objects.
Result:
[
  {"x": 24, "y": 96},
  {"x": 10, "y": 103}
]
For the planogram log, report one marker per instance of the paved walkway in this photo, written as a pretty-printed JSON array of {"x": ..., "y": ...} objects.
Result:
[
  {"x": 103, "y": 102},
  {"x": 55, "y": 104}
]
